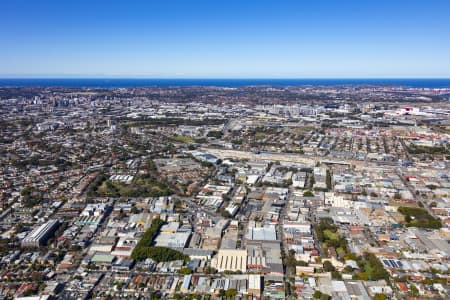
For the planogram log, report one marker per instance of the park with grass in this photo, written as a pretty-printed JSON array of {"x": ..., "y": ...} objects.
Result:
[
  {"x": 419, "y": 217},
  {"x": 370, "y": 268},
  {"x": 148, "y": 184},
  {"x": 183, "y": 139},
  {"x": 142, "y": 186},
  {"x": 328, "y": 236}
]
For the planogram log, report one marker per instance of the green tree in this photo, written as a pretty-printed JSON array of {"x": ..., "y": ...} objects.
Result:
[
  {"x": 379, "y": 297},
  {"x": 317, "y": 294},
  {"x": 308, "y": 194},
  {"x": 144, "y": 248},
  {"x": 414, "y": 290},
  {"x": 328, "y": 179},
  {"x": 328, "y": 266},
  {"x": 230, "y": 293},
  {"x": 325, "y": 297},
  {"x": 185, "y": 271},
  {"x": 215, "y": 134}
]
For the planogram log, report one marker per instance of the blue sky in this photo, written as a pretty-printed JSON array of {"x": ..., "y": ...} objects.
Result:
[{"x": 224, "y": 39}]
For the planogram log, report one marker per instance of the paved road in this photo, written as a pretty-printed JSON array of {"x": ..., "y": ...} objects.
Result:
[{"x": 416, "y": 197}]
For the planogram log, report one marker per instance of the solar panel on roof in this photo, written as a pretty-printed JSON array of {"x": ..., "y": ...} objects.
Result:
[{"x": 393, "y": 263}]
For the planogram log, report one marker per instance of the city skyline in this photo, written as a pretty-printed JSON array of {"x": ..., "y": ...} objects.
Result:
[
  {"x": 233, "y": 39},
  {"x": 225, "y": 150}
]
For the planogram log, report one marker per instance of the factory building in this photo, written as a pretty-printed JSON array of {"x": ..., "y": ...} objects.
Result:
[
  {"x": 230, "y": 260},
  {"x": 39, "y": 236}
]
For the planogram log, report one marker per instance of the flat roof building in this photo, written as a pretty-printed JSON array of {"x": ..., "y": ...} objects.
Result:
[
  {"x": 254, "y": 284},
  {"x": 231, "y": 260},
  {"x": 39, "y": 236},
  {"x": 266, "y": 233},
  {"x": 186, "y": 283},
  {"x": 173, "y": 240}
]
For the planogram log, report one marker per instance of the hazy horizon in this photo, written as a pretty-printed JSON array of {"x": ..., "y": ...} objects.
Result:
[{"x": 216, "y": 78}]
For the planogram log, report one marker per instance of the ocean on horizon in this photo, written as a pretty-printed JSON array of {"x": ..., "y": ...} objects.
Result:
[{"x": 155, "y": 82}]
